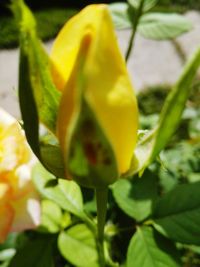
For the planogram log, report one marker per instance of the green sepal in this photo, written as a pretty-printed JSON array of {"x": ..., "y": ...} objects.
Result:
[
  {"x": 27, "y": 105},
  {"x": 152, "y": 142},
  {"x": 91, "y": 160},
  {"x": 39, "y": 99},
  {"x": 36, "y": 69},
  {"x": 51, "y": 154}
]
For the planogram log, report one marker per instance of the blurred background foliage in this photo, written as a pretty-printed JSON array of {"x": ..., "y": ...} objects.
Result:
[{"x": 52, "y": 14}]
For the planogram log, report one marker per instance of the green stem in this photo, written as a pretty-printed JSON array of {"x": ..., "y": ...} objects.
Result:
[
  {"x": 136, "y": 20},
  {"x": 91, "y": 225},
  {"x": 101, "y": 199}
]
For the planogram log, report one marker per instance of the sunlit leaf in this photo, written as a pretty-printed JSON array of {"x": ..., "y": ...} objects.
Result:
[
  {"x": 7, "y": 254},
  {"x": 66, "y": 194},
  {"x": 51, "y": 217},
  {"x": 77, "y": 245},
  {"x": 148, "y": 4},
  {"x": 161, "y": 26},
  {"x": 120, "y": 15}
]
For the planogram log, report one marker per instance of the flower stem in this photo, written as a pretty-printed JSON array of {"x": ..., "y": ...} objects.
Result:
[
  {"x": 136, "y": 20},
  {"x": 101, "y": 199}
]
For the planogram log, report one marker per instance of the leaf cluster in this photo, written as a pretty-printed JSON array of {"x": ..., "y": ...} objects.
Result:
[{"x": 152, "y": 220}]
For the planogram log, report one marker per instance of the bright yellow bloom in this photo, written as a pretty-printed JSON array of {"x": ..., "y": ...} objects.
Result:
[
  {"x": 87, "y": 63},
  {"x": 19, "y": 202}
]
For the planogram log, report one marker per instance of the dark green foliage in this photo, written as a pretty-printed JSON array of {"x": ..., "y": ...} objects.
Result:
[
  {"x": 49, "y": 22},
  {"x": 35, "y": 252},
  {"x": 51, "y": 15},
  {"x": 8, "y": 32},
  {"x": 190, "y": 4},
  {"x": 149, "y": 97}
]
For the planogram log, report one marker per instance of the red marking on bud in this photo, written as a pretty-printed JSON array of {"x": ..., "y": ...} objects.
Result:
[{"x": 91, "y": 153}]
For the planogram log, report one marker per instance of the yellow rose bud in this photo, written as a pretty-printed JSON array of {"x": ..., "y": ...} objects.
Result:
[
  {"x": 98, "y": 115},
  {"x": 19, "y": 201}
]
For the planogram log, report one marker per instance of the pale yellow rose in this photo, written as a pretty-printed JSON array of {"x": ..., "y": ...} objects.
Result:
[{"x": 19, "y": 201}]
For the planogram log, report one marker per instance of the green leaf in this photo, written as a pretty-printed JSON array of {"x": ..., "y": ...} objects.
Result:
[
  {"x": 177, "y": 214},
  {"x": 7, "y": 254},
  {"x": 194, "y": 126},
  {"x": 10, "y": 241},
  {"x": 35, "y": 253},
  {"x": 154, "y": 141},
  {"x": 196, "y": 249},
  {"x": 4, "y": 264},
  {"x": 66, "y": 194},
  {"x": 149, "y": 249},
  {"x": 175, "y": 168},
  {"x": 51, "y": 217},
  {"x": 160, "y": 26},
  {"x": 120, "y": 15},
  {"x": 135, "y": 197},
  {"x": 148, "y": 4},
  {"x": 78, "y": 246}
]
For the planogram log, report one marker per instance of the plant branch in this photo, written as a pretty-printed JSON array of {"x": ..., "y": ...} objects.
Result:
[{"x": 136, "y": 20}]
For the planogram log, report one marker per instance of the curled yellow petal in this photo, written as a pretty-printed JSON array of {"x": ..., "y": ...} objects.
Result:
[{"x": 72, "y": 96}]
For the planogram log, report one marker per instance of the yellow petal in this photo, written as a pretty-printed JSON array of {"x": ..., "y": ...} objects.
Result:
[
  {"x": 107, "y": 87},
  {"x": 26, "y": 200},
  {"x": 6, "y": 215},
  {"x": 26, "y": 212},
  {"x": 19, "y": 180},
  {"x": 4, "y": 190},
  {"x": 6, "y": 210},
  {"x": 13, "y": 147},
  {"x": 66, "y": 46},
  {"x": 19, "y": 201},
  {"x": 5, "y": 119}
]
